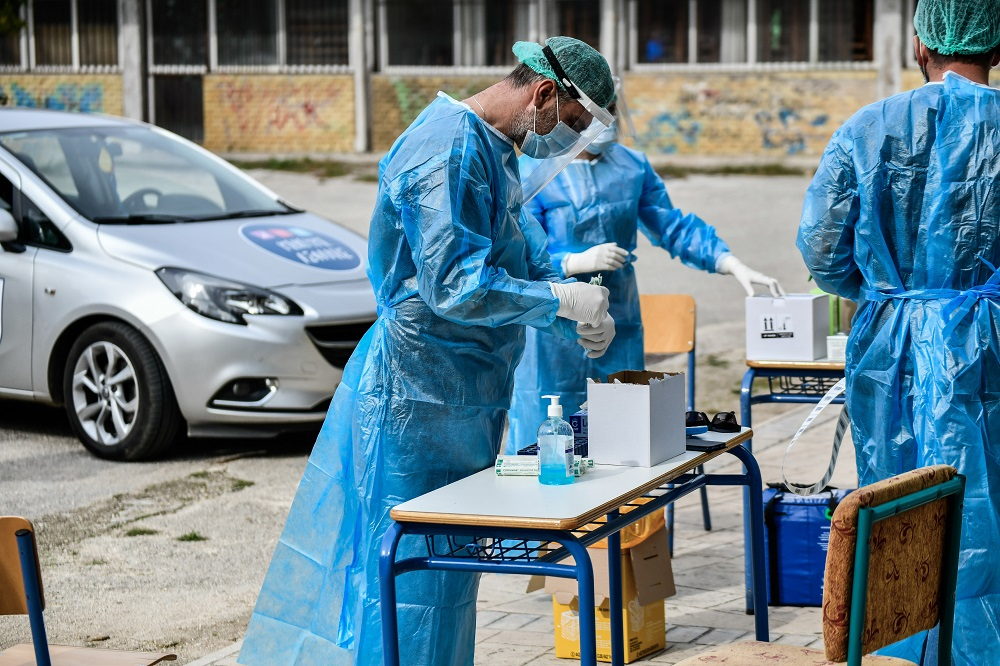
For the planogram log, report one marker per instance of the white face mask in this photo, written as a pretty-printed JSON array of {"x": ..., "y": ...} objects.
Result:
[
  {"x": 604, "y": 140},
  {"x": 558, "y": 142}
]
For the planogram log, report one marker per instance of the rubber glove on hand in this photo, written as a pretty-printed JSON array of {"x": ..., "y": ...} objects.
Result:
[
  {"x": 596, "y": 339},
  {"x": 585, "y": 303},
  {"x": 604, "y": 257},
  {"x": 747, "y": 277}
]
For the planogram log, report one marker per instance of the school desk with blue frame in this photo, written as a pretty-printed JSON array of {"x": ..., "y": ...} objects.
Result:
[
  {"x": 790, "y": 382},
  {"x": 515, "y": 525}
]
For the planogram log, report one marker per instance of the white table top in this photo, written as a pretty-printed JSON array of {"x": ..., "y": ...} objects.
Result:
[
  {"x": 521, "y": 501},
  {"x": 818, "y": 364}
]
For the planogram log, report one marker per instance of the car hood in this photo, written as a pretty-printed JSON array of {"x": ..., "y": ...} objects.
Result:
[{"x": 272, "y": 252}]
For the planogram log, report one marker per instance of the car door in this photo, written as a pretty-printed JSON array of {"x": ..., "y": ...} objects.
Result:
[{"x": 17, "y": 261}]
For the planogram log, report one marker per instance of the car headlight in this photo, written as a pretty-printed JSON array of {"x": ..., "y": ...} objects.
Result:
[{"x": 223, "y": 299}]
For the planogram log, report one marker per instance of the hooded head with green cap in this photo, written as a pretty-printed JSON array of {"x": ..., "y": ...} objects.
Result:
[
  {"x": 584, "y": 66},
  {"x": 964, "y": 31},
  {"x": 550, "y": 102}
]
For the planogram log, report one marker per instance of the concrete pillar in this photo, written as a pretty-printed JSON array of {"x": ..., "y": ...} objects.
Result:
[
  {"x": 357, "y": 52},
  {"x": 609, "y": 34},
  {"x": 888, "y": 46},
  {"x": 621, "y": 35},
  {"x": 734, "y": 31},
  {"x": 131, "y": 58}
]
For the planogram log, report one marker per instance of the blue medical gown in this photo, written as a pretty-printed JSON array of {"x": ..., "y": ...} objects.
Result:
[
  {"x": 589, "y": 203},
  {"x": 904, "y": 215},
  {"x": 457, "y": 272}
]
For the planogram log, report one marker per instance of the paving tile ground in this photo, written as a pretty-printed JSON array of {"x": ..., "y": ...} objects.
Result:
[
  {"x": 708, "y": 608},
  {"x": 515, "y": 628}
]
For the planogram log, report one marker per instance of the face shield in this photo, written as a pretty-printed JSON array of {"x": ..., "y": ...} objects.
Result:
[
  {"x": 601, "y": 120},
  {"x": 623, "y": 117},
  {"x": 622, "y": 127}
]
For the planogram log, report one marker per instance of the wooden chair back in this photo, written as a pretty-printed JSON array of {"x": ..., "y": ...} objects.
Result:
[
  {"x": 668, "y": 322},
  {"x": 12, "y": 598}
]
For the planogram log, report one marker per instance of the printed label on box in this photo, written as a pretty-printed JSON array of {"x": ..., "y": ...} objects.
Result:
[
  {"x": 571, "y": 625},
  {"x": 777, "y": 326},
  {"x": 636, "y": 615}
]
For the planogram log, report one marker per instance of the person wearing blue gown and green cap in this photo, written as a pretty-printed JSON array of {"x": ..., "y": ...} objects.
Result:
[
  {"x": 592, "y": 212},
  {"x": 458, "y": 272},
  {"x": 903, "y": 216}
]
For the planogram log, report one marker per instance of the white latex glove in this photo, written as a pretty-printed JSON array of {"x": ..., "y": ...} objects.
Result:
[
  {"x": 747, "y": 277},
  {"x": 596, "y": 339},
  {"x": 604, "y": 257},
  {"x": 585, "y": 303}
]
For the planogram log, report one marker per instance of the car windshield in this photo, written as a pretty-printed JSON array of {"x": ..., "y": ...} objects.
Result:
[{"x": 135, "y": 175}]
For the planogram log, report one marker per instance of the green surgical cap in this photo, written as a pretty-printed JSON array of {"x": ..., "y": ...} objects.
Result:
[
  {"x": 958, "y": 27},
  {"x": 584, "y": 66}
]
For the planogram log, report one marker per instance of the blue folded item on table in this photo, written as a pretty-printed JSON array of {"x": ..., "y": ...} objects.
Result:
[{"x": 796, "y": 538}]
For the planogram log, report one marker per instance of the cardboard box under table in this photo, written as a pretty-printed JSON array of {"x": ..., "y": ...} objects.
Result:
[
  {"x": 647, "y": 580},
  {"x": 636, "y": 418}
]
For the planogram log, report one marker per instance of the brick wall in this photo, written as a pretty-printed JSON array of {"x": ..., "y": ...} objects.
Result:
[
  {"x": 759, "y": 115},
  {"x": 398, "y": 100},
  {"x": 276, "y": 113},
  {"x": 767, "y": 116},
  {"x": 90, "y": 93}
]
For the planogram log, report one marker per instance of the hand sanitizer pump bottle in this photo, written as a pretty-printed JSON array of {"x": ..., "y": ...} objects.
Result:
[{"x": 555, "y": 447}]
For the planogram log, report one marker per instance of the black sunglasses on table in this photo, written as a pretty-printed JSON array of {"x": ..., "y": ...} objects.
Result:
[{"x": 721, "y": 422}]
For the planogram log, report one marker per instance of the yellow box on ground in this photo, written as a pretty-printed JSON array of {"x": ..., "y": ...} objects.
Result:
[{"x": 647, "y": 579}]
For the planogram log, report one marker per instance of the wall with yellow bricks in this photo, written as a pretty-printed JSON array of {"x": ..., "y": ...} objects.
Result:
[
  {"x": 91, "y": 93},
  {"x": 758, "y": 115},
  {"x": 278, "y": 113},
  {"x": 398, "y": 100},
  {"x": 764, "y": 115}
]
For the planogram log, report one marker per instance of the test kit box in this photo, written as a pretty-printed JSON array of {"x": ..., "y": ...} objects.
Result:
[
  {"x": 836, "y": 347},
  {"x": 793, "y": 328},
  {"x": 578, "y": 422},
  {"x": 647, "y": 579},
  {"x": 636, "y": 418}
]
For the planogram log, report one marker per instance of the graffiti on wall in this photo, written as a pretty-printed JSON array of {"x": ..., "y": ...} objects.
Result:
[
  {"x": 250, "y": 109},
  {"x": 285, "y": 106},
  {"x": 63, "y": 96},
  {"x": 398, "y": 100},
  {"x": 786, "y": 130},
  {"x": 738, "y": 114},
  {"x": 670, "y": 130}
]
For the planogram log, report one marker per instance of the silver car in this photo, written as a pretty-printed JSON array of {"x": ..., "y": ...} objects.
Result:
[{"x": 151, "y": 287}]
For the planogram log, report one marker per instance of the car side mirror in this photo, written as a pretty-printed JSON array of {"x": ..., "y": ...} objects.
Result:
[{"x": 8, "y": 227}]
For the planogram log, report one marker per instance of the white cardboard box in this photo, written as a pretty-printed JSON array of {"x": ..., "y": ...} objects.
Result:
[
  {"x": 638, "y": 422},
  {"x": 836, "y": 347},
  {"x": 793, "y": 328}
]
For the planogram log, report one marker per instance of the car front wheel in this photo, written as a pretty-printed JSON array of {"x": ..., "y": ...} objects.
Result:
[{"x": 118, "y": 396}]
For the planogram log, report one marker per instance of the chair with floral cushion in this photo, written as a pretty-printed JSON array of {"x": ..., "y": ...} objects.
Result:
[{"x": 891, "y": 570}]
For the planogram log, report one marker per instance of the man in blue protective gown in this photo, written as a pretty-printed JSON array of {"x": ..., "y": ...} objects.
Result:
[
  {"x": 458, "y": 273},
  {"x": 592, "y": 212},
  {"x": 903, "y": 215}
]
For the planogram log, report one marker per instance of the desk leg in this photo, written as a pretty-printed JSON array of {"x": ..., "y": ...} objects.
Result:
[
  {"x": 746, "y": 392},
  {"x": 585, "y": 597},
  {"x": 387, "y": 589},
  {"x": 753, "y": 521},
  {"x": 615, "y": 594}
]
